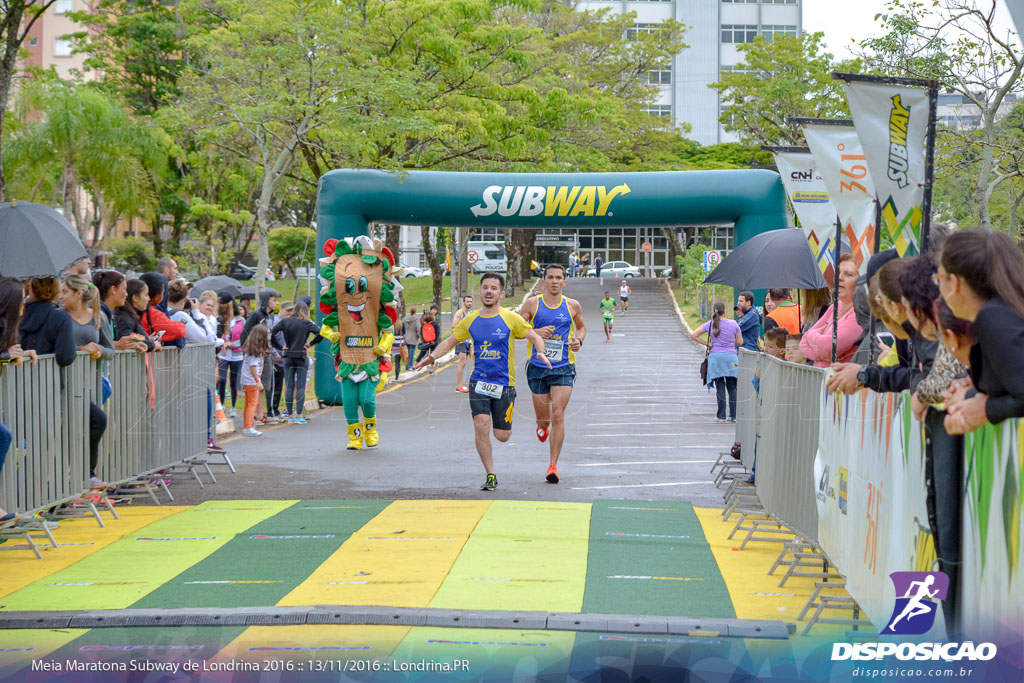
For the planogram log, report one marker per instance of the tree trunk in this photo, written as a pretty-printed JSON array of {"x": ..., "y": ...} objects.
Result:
[
  {"x": 392, "y": 240},
  {"x": 13, "y": 19},
  {"x": 436, "y": 274},
  {"x": 673, "y": 250},
  {"x": 985, "y": 171},
  {"x": 519, "y": 247}
]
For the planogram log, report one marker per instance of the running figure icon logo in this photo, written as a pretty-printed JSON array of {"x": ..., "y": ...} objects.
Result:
[{"x": 917, "y": 594}]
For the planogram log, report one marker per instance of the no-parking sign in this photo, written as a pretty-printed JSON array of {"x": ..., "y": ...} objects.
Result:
[
  {"x": 711, "y": 259},
  {"x": 472, "y": 257}
]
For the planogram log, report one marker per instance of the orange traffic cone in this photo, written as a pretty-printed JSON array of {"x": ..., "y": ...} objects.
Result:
[{"x": 221, "y": 417}]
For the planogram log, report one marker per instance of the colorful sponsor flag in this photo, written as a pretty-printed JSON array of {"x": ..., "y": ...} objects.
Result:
[
  {"x": 892, "y": 123},
  {"x": 812, "y": 204},
  {"x": 844, "y": 171}
]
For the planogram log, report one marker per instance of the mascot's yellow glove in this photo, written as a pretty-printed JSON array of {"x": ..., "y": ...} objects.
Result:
[
  {"x": 329, "y": 334},
  {"x": 383, "y": 348}
]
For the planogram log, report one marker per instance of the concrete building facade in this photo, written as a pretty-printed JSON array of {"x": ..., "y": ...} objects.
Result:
[{"x": 714, "y": 29}]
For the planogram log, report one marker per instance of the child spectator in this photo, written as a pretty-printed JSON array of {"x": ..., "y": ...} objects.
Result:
[
  {"x": 775, "y": 342},
  {"x": 794, "y": 354},
  {"x": 256, "y": 347}
]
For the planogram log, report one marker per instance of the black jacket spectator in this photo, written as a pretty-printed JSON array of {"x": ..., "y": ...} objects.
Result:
[
  {"x": 257, "y": 317},
  {"x": 296, "y": 332},
  {"x": 995, "y": 367},
  {"x": 45, "y": 328},
  {"x": 125, "y": 324}
]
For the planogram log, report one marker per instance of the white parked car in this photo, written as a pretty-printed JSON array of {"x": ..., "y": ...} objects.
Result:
[
  {"x": 618, "y": 269},
  {"x": 414, "y": 271}
]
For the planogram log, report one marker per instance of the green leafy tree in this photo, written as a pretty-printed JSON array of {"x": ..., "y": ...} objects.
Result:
[
  {"x": 957, "y": 43},
  {"x": 132, "y": 252},
  {"x": 137, "y": 47},
  {"x": 292, "y": 246},
  {"x": 779, "y": 78},
  {"x": 71, "y": 137},
  {"x": 19, "y": 16}
]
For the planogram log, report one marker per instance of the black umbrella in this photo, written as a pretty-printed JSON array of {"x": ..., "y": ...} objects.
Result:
[
  {"x": 252, "y": 291},
  {"x": 222, "y": 284},
  {"x": 774, "y": 259},
  {"x": 36, "y": 241}
]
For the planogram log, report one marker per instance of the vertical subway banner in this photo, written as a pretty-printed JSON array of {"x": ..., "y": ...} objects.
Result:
[
  {"x": 892, "y": 123},
  {"x": 811, "y": 202},
  {"x": 843, "y": 167}
]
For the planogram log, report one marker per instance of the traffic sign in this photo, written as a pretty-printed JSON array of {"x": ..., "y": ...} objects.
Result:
[
  {"x": 646, "y": 246},
  {"x": 711, "y": 259},
  {"x": 472, "y": 257}
]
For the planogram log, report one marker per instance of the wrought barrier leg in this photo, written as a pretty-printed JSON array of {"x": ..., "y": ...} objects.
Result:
[
  {"x": 210, "y": 472},
  {"x": 110, "y": 506},
  {"x": 96, "y": 514}
]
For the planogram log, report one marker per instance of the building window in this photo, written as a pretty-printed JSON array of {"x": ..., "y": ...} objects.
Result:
[
  {"x": 63, "y": 6},
  {"x": 769, "y": 31},
  {"x": 61, "y": 47},
  {"x": 778, "y": 2},
  {"x": 662, "y": 110},
  {"x": 739, "y": 33},
  {"x": 725, "y": 121},
  {"x": 660, "y": 76},
  {"x": 33, "y": 41},
  {"x": 631, "y": 33},
  {"x": 740, "y": 2}
]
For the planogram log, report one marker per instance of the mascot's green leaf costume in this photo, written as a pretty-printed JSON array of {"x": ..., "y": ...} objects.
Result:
[{"x": 357, "y": 301}]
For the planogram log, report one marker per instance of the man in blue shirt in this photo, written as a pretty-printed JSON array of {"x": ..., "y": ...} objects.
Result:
[{"x": 750, "y": 323}]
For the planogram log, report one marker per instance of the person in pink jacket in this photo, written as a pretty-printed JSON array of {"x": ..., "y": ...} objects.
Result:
[{"x": 817, "y": 341}]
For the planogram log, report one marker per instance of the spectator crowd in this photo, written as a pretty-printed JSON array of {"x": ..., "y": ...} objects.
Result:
[
  {"x": 943, "y": 325},
  {"x": 263, "y": 356}
]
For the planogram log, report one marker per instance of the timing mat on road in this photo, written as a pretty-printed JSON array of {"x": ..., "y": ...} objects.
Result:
[{"x": 611, "y": 556}]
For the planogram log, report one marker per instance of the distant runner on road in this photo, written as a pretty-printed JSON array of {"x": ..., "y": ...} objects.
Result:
[
  {"x": 559, "y": 320},
  {"x": 608, "y": 311},
  {"x": 464, "y": 349},
  {"x": 492, "y": 392},
  {"x": 624, "y": 291}
]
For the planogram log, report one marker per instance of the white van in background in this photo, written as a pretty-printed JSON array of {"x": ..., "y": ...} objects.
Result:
[{"x": 487, "y": 257}]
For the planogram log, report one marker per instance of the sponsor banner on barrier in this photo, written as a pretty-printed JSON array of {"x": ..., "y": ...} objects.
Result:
[
  {"x": 843, "y": 168},
  {"x": 811, "y": 203},
  {"x": 872, "y": 516},
  {"x": 892, "y": 123},
  {"x": 992, "y": 587}
]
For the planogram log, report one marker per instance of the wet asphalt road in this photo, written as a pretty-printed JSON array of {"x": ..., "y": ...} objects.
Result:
[{"x": 639, "y": 426}]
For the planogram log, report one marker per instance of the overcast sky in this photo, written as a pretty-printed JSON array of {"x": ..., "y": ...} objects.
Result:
[{"x": 846, "y": 22}]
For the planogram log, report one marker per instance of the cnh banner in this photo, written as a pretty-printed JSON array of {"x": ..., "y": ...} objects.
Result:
[
  {"x": 843, "y": 167},
  {"x": 892, "y": 123},
  {"x": 811, "y": 202}
]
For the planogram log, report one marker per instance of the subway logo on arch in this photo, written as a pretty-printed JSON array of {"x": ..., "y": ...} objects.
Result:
[{"x": 553, "y": 200}]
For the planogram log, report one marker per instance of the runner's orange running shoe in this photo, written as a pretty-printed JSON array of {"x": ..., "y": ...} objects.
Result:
[
  {"x": 552, "y": 475},
  {"x": 542, "y": 434}
]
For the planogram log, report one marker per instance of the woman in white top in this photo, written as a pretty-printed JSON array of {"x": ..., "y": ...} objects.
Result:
[{"x": 624, "y": 291}]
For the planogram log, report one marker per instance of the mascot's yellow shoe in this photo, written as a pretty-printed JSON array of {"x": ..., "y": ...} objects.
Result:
[
  {"x": 370, "y": 433},
  {"x": 355, "y": 437}
]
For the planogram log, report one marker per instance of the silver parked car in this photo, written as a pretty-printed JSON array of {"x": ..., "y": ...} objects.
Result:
[{"x": 619, "y": 269}]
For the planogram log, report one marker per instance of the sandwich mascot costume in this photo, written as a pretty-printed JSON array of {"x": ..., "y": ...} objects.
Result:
[{"x": 357, "y": 299}]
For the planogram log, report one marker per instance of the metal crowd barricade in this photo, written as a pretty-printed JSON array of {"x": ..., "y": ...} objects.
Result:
[
  {"x": 788, "y": 441},
  {"x": 47, "y": 410},
  {"x": 748, "y": 405},
  {"x": 156, "y": 417}
]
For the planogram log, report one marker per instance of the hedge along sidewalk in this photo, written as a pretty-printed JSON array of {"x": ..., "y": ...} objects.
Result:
[{"x": 313, "y": 405}]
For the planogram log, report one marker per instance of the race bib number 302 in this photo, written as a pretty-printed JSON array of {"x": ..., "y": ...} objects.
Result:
[{"x": 489, "y": 389}]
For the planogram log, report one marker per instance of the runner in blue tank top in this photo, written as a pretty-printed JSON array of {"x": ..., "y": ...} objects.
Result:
[
  {"x": 559, "y": 320},
  {"x": 492, "y": 391}
]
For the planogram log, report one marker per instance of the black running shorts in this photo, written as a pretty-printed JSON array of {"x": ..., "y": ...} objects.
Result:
[{"x": 500, "y": 409}]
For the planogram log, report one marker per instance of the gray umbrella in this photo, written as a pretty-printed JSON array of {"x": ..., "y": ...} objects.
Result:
[
  {"x": 36, "y": 241},
  {"x": 222, "y": 284},
  {"x": 252, "y": 291},
  {"x": 774, "y": 259}
]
